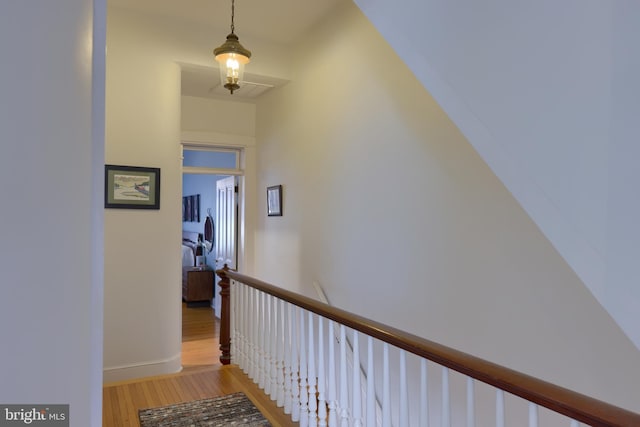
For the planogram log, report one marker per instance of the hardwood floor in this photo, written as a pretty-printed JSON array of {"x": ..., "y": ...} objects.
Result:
[
  {"x": 200, "y": 345},
  {"x": 203, "y": 376}
]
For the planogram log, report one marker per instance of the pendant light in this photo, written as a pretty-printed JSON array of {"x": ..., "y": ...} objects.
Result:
[{"x": 232, "y": 57}]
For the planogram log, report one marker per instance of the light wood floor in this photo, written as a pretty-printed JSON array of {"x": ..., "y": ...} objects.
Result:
[
  {"x": 200, "y": 346},
  {"x": 202, "y": 377}
]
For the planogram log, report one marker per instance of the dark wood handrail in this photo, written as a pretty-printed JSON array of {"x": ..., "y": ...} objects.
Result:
[{"x": 582, "y": 408}]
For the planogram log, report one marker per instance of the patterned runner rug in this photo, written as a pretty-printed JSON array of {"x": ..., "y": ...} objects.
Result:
[{"x": 231, "y": 410}]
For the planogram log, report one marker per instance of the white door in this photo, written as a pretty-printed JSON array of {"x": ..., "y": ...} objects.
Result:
[{"x": 226, "y": 235}]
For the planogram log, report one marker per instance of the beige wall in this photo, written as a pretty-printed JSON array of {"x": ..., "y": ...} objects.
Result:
[
  {"x": 390, "y": 209},
  {"x": 547, "y": 94},
  {"x": 213, "y": 115},
  {"x": 142, "y": 268}
]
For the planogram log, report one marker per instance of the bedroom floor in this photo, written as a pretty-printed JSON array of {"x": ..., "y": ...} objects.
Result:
[{"x": 200, "y": 345}]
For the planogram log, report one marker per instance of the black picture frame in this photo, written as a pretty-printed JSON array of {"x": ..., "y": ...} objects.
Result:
[
  {"x": 187, "y": 208},
  {"x": 191, "y": 208},
  {"x": 131, "y": 187},
  {"x": 194, "y": 203},
  {"x": 274, "y": 200}
]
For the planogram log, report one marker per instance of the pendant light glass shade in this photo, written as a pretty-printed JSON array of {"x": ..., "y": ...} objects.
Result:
[{"x": 231, "y": 58}]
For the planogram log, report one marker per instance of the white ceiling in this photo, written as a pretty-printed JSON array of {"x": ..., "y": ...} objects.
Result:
[{"x": 278, "y": 21}]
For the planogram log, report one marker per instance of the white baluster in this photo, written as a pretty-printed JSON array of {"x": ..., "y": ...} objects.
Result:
[
  {"x": 311, "y": 376},
  {"x": 232, "y": 322},
  {"x": 356, "y": 388},
  {"x": 236, "y": 303},
  {"x": 333, "y": 398},
  {"x": 371, "y": 385},
  {"x": 304, "y": 410},
  {"x": 237, "y": 330},
  {"x": 344, "y": 391},
  {"x": 499, "y": 408},
  {"x": 266, "y": 345},
  {"x": 268, "y": 358},
  {"x": 248, "y": 333},
  {"x": 424, "y": 394},
  {"x": 386, "y": 388},
  {"x": 295, "y": 364},
  {"x": 243, "y": 329},
  {"x": 471, "y": 404},
  {"x": 279, "y": 363},
  {"x": 242, "y": 320},
  {"x": 262, "y": 340},
  {"x": 287, "y": 356},
  {"x": 533, "y": 415},
  {"x": 252, "y": 334},
  {"x": 404, "y": 391},
  {"x": 322, "y": 403},
  {"x": 256, "y": 336},
  {"x": 446, "y": 403},
  {"x": 275, "y": 345}
]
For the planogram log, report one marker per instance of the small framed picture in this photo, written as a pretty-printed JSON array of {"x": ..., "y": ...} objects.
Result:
[
  {"x": 131, "y": 187},
  {"x": 195, "y": 204},
  {"x": 274, "y": 200},
  {"x": 185, "y": 209}
]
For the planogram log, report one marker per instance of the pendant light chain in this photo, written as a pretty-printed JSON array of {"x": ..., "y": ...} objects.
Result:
[{"x": 233, "y": 12}]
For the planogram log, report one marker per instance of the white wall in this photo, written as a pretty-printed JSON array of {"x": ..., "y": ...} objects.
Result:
[
  {"x": 394, "y": 213},
  {"x": 546, "y": 92},
  {"x": 51, "y": 168},
  {"x": 622, "y": 293}
]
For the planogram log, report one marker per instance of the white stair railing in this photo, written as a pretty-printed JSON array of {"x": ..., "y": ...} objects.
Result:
[{"x": 274, "y": 335}]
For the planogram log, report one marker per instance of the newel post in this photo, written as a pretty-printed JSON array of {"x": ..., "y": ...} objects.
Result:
[{"x": 225, "y": 320}]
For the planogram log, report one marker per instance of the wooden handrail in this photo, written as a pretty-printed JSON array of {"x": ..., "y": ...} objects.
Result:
[{"x": 580, "y": 407}]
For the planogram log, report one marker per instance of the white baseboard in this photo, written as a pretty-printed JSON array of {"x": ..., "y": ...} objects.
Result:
[{"x": 140, "y": 370}]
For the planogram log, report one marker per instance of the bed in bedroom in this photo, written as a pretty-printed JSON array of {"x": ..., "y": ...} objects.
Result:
[{"x": 189, "y": 248}]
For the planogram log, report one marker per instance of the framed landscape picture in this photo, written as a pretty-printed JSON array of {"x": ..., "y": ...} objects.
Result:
[{"x": 131, "y": 187}]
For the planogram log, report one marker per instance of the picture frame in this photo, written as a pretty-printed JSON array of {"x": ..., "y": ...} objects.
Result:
[
  {"x": 191, "y": 208},
  {"x": 131, "y": 187},
  {"x": 185, "y": 209},
  {"x": 274, "y": 200},
  {"x": 188, "y": 212},
  {"x": 195, "y": 208}
]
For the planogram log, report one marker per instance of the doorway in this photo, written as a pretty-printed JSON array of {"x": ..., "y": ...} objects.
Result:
[{"x": 206, "y": 169}]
